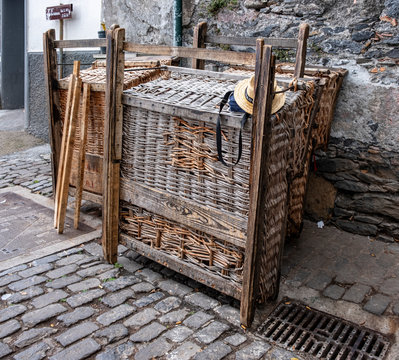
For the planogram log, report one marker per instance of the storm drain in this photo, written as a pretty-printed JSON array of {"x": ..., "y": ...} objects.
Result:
[{"x": 297, "y": 327}]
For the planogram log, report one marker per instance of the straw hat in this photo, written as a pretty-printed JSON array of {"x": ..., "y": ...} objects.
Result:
[{"x": 244, "y": 94}]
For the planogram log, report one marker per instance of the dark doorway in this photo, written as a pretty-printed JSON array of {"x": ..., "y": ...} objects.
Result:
[{"x": 12, "y": 53}]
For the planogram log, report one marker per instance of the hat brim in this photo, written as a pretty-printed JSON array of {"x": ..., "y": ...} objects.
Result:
[{"x": 243, "y": 103}]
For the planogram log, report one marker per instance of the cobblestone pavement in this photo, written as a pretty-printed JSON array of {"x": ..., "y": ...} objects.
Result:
[{"x": 72, "y": 305}]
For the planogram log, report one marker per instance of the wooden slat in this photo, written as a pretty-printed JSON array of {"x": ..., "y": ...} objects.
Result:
[
  {"x": 53, "y": 104},
  {"x": 300, "y": 60},
  {"x": 87, "y": 195},
  {"x": 230, "y": 120},
  {"x": 82, "y": 152},
  {"x": 112, "y": 143},
  {"x": 283, "y": 43},
  {"x": 230, "y": 57},
  {"x": 66, "y": 171},
  {"x": 83, "y": 43},
  {"x": 93, "y": 176},
  {"x": 261, "y": 132},
  {"x": 199, "y": 42},
  {"x": 184, "y": 267},
  {"x": 63, "y": 84},
  {"x": 213, "y": 222},
  {"x": 63, "y": 148}
]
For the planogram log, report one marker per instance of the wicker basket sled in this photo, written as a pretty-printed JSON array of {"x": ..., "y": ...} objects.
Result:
[{"x": 182, "y": 207}]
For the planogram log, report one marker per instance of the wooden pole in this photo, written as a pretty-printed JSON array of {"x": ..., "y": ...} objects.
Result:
[
  {"x": 112, "y": 142},
  {"x": 53, "y": 104},
  {"x": 261, "y": 133},
  {"x": 199, "y": 42},
  {"x": 300, "y": 60},
  {"x": 82, "y": 152},
  {"x": 61, "y": 67}
]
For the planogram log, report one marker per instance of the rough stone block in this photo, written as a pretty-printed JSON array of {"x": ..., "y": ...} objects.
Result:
[
  {"x": 33, "y": 335},
  {"x": 84, "y": 285},
  {"x": 216, "y": 351},
  {"x": 253, "y": 351},
  {"x": 37, "y": 352},
  {"x": 85, "y": 297},
  {"x": 174, "y": 316},
  {"x": 25, "y": 295},
  {"x": 229, "y": 313},
  {"x": 120, "y": 283},
  {"x": 9, "y": 327},
  {"x": 26, "y": 283},
  {"x": 184, "y": 352},
  {"x": 122, "y": 351},
  {"x": 203, "y": 301},
  {"x": 390, "y": 287},
  {"x": 37, "y": 316},
  {"x": 113, "y": 333},
  {"x": 8, "y": 279},
  {"x": 80, "y": 350},
  {"x": 78, "y": 314},
  {"x": 198, "y": 319},
  {"x": 178, "y": 334},
  {"x": 356, "y": 293},
  {"x": 94, "y": 270},
  {"x": 35, "y": 270},
  {"x": 319, "y": 281},
  {"x": 72, "y": 259},
  {"x": 62, "y": 271},
  {"x": 147, "y": 300},
  {"x": 149, "y": 275},
  {"x": 142, "y": 318},
  {"x": 49, "y": 298},
  {"x": 168, "y": 304},
  {"x": 11, "y": 312},
  {"x": 174, "y": 288},
  {"x": 129, "y": 264},
  {"x": 334, "y": 292},
  {"x": 377, "y": 304},
  {"x": 115, "y": 314},
  {"x": 115, "y": 299},
  {"x": 76, "y": 333},
  {"x": 143, "y": 287},
  {"x": 236, "y": 339},
  {"x": 148, "y": 333},
  {"x": 63, "y": 282},
  {"x": 211, "y": 332},
  {"x": 4, "y": 350}
]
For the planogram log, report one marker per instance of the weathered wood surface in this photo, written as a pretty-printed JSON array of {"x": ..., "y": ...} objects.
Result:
[
  {"x": 300, "y": 59},
  {"x": 86, "y": 43},
  {"x": 112, "y": 142},
  {"x": 183, "y": 267},
  {"x": 231, "y": 57},
  {"x": 64, "y": 176},
  {"x": 87, "y": 195},
  {"x": 53, "y": 104},
  {"x": 212, "y": 222},
  {"x": 93, "y": 176},
  {"x": 283, "y": 43},
  {"x": 63, "y": 84},
  {"x": 82, "y": 152},
  {"x": 199, "y": 42},
  {"x": 261, "y": 133}
]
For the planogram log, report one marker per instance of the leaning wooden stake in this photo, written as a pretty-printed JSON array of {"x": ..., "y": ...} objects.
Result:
[
  {"x": 112, "y": 142},
  {"x": 65, "y": 172},
  {"x": 301, "y": 51},
  {"x": 199, "y": 42},
  {"x": 82, "y": 152},
  {"x": 261, "y": 133}
]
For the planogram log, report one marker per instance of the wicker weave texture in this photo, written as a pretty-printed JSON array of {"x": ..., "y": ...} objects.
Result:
[{"x": 179, "y": 157}]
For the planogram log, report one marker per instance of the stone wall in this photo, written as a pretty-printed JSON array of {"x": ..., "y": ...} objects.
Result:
[{"x": 357, "y": 176}]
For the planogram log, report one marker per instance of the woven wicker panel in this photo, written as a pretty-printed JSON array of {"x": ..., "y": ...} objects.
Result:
[
  {"x": 195, "y": 247},
  {"x": 179, "y": 157},
  {"x": 95, "y": 130}
]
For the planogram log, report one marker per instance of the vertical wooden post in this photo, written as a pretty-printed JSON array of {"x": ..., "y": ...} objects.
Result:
[
  {"x": 61, "y": 67},
  {"x": 53, "y": 104},
  {"x": 112, "y": 142},
  {"x": 258, "y": 180},
  {"x": 199, "y": 42},
  {"x": 300, "y": 60}
]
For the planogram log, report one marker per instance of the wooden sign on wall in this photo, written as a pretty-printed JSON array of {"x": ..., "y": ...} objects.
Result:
[{"x": 59, "y": 12}]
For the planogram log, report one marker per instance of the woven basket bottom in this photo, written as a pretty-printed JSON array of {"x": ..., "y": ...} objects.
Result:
[{"x": 215, "y": 256}]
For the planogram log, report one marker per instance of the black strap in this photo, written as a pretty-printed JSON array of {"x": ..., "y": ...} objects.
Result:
[{"x": 219, "y": 132}]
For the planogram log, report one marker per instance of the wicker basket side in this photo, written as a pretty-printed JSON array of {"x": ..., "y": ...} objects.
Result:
[{"x": 200, "y": 249}]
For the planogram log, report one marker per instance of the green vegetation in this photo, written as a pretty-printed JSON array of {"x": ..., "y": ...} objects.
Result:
[
  {"x": 117, "y": 265},
  {"x": 282, "y": 55},
  {"x": 109, "y": 279},
  {"x": 216, "y": 5}
]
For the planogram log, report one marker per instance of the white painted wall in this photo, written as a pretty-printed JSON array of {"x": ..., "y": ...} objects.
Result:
[{"x": 85, "y": 22}]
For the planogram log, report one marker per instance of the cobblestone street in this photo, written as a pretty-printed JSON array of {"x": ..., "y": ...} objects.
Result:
[{"x": 73, "y": 305}]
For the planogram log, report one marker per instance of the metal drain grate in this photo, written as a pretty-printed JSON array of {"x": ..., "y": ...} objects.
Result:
[{"x": 295, "y": 326}]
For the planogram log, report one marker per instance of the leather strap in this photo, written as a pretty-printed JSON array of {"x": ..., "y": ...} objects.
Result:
[{"x": 219, "y": 132}]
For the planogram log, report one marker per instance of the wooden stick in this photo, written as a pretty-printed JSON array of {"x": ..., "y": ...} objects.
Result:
[
  {"x": 63, "y": 199},
  {"x": 63, "y": 145},
  {"x": 258, "y": 179},
  {"x": 301, "y": 50},
  {"x": 82, "y": 152}
]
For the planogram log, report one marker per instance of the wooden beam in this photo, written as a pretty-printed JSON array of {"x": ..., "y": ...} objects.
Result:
[
  {"x": 65, "y": 167},
  {"x": 216, "y": 223},
  {"x": 53, "y": 104},
  {"x": 112, "y": 142},
  {"x": 193, "y": 271},
  {"x": 87, "y": 195},
  {"x": 199, "y": 42},
  {"x": 300, "y": 60},
  {"x": 230, "y": 57},
  {"x": 258, "y": 180},
  {"x": 82, "y": 152},
  {"x": 283, "y": 43},
  {"x": 83, "y": 43}
]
